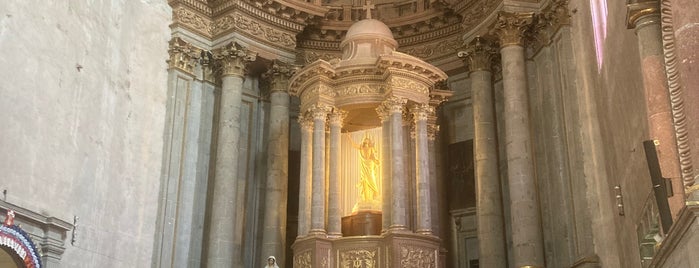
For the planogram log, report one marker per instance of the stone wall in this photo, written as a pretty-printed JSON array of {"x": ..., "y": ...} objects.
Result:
[
  {"x": 613, "y": 127},
  {"x": 82, "y": 99}
]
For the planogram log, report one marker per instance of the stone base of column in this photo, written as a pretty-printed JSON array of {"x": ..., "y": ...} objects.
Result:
[
  {"x": 385, "y": 251},
  {"x": 680, "y": 243}
]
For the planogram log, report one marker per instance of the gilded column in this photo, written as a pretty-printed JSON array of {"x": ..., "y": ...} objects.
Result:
[
  {"x": 306, "y": 122},
  {"x": 527, "y": 238},
  {"x": 224, "y": 248},
  {"x": 334, "y": 212},
  {"x": 320, "y": 114},
  {"x": 385, "y": 117},
  {"x": 395, "y": 107},
  {"x": 420, "y": 114},
  {"x": 479, "y": 58},
  {"x": 274, "y": 235}
]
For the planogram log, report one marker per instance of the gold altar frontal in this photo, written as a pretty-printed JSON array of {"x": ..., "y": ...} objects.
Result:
[{"x": 373, "y": 251}]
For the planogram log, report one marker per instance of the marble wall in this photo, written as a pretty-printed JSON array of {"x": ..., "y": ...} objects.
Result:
[{"x": 83, "y": 104}]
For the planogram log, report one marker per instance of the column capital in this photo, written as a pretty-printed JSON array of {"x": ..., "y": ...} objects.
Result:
[
  {"x": 278, "y": 75},
  {"x": 511, "y": 27},
  {"x": 479, "y": 54},
  {"x": 639, "y": 9},
  {"x": 336, "y": 117},
  {"x": 394, "y": 104},
  {"x": 183, "y": 55},
  {"x": 319, "y": 112},
  {"x": 432, "y": 130},
  {"x": 421, "y": 112},
  {"x": 232, "y": 59},
  {"x": 306, "y": 122}
]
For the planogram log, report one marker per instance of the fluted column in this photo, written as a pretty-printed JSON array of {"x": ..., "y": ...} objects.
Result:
[
  {"x": 478, "y": 57},
  {"x": 274, "y": 235},
  {"x": 334, "y": 212},
  {"x": 320, "y": 114},
  {"x": 385, "y": 117},
  {"x": 224, "y": 249},
  {"x": 395, "y": 107},
  {"x": 527, "y": 238},
  {"x": 420, "y": 114},
  {"x": 305, "y": 181}
]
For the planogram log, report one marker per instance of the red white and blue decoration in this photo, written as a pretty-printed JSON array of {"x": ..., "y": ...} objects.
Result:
[{"x": 18, "y": 241}]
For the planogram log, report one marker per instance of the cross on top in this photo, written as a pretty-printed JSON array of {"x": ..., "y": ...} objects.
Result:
[{"x": 368, "y": 6}]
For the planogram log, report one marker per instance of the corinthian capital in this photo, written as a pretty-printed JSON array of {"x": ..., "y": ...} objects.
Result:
[
  {"x": 183, "y": 55},
  {"x": 479, "y": 55},
  {"x": 512, "y": 27},
  {"x": 336, "y": 116},
  {"x": 233, "y": 58},
  {"x": 393, "y": 105},
  {"x": 422, "y": 112},
  {"x": 319, "y": 112},
  {"x": 279, "y": 74}
]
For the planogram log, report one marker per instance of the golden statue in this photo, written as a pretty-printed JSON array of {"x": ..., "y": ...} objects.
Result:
[{"x": 368, "y": 191}]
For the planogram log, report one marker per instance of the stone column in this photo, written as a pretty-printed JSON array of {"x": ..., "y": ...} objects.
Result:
[
  {"x": 645, "y": 19},
  {"x": 334, "y": 212},
  {"x": 420, "y": 113},
  {"x": 385, "y": 117},
  {"x": 306, "y": 122},
  {"x": 479, "y": 58},
  {"x": 527, "y": 238},
  {"x": 223, "y": 249},
  {"x": 395, "y": 106},
  {"x": 274, "y": 234},
  {"x": 320, "y": 114}
]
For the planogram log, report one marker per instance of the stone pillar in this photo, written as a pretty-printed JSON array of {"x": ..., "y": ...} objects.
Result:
[
  {"x": 491, "y": 238},
  {"x": 395, "y": 106},
  {"x": 527, "y": 238},
  {"x": 274, "y": 234},
  {"x": 224, "y": 250},
  {"x": 306, "y": 123},
  {"x": 645, "y": 19},
  {"x": 334, "y": 212},
  {"x": 320, "y": 114},
  {"x": 385, "y": 117},
  {"x": 420, "y": 113}
]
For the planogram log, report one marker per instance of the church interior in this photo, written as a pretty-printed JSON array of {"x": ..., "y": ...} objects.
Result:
[{"x": 349, "y": 133}]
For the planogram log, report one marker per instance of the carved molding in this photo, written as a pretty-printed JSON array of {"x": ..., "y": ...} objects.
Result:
[
  {"x": 417, "y": 257},
  {"x": 676, "y": 94},
  {"x": 183, "y": 56},
  {"x": 399, "y": 83},
  {"x": 303, "y": 260},
  {"x": 360, "y": 89},
  {"x": 435, "y": 49},
  {"x": 480, "y": 54},
  {"x": 192, "y": 20},
  {"x": 255, "y": 29},
  {"x": 360, "y": 258}
]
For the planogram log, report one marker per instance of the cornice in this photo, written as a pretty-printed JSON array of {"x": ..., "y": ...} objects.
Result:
[{"x": 201, "y": 6}]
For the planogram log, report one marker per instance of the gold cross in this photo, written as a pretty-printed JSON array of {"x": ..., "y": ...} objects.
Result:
[{"x": 368, "y": 6}]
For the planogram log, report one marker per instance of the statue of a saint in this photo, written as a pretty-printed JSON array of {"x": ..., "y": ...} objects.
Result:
[{"x": 370, "y": 165}]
